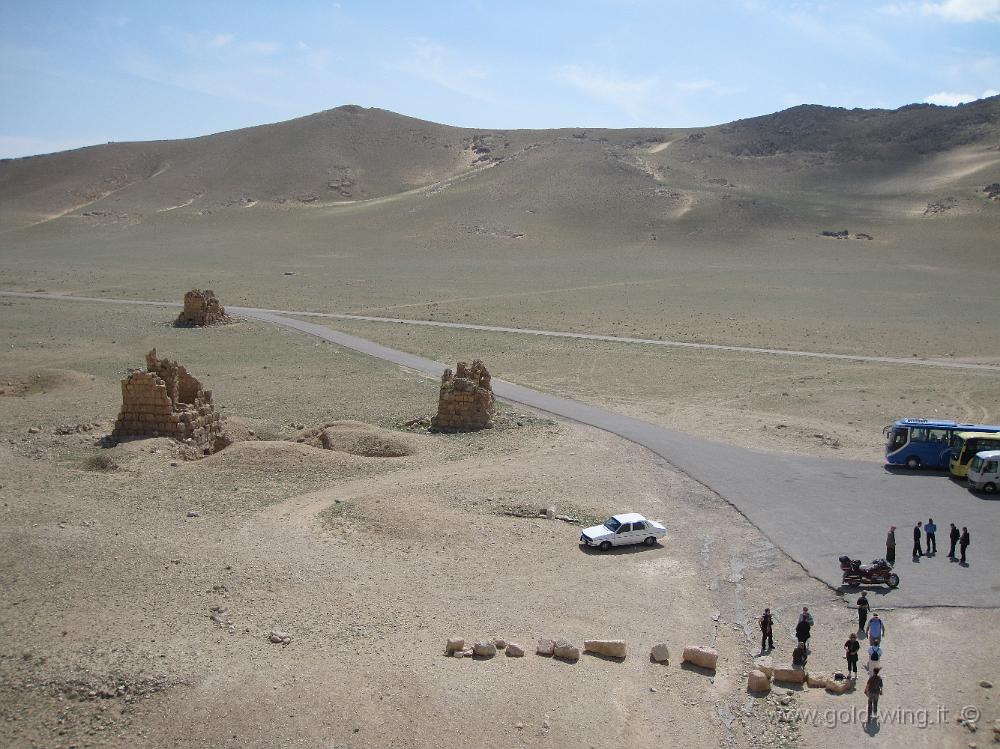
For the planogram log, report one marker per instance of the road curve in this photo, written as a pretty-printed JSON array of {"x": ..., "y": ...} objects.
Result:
[{"x": 814, "y": 509}]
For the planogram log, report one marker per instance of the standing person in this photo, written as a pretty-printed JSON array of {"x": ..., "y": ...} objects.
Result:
[
  {"x": 890, "y": 546},
  {"x": 917, "y": 551},
  {"x": 852, "y": 646},
  {"x": 863, "y": 608},
  {"x": 766, "y": 630},
  {"x": 804, "y": 628},
  {"x": 873, "y": 690},
  {"x": 931, "y": 530},
  {"x": 874, "y": 657},
  {"x": 953, "y": 536},
  {"x": 875, "y": 629},
  {"x": 963, "y": 543}
]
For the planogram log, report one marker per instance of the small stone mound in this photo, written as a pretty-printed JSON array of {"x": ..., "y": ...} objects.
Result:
[
  {"x": 465, "y": 401},
  {"x": 201, "y": 308},
  {"x": 357, "y": 438},
  {"x": 268, "y": 457}
]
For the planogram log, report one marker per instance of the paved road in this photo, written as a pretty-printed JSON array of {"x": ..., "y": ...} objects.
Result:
[
  {"x": 907, "y": 361},
  {"x": 814, "y": 509}
]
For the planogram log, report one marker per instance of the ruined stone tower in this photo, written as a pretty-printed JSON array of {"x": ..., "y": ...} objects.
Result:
[
  {"x": 201, "y": 308},
  {"x": 465, "y": 402},
  {"x": 166, "y": 401}
]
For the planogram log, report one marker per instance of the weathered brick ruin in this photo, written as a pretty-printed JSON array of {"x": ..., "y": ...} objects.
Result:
[
  {"x": 166, "y": 401},
  {"x": 466, "y": 399},
  {"x": 201, "y": 308}
]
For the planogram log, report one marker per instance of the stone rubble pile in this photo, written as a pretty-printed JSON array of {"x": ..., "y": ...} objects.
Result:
[
  {"x": 167, "y": 401},
  {"x": 465, "y": 402},
  {"x": 201, "y": 308}
]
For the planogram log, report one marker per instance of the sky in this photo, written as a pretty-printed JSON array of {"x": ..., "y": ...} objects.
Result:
[{"x": 80, "y": 73}]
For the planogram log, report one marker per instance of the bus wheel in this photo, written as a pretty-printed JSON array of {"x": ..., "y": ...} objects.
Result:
[
  {"x": 913, "y": 462},
  {"x": 990, "y": 488}
]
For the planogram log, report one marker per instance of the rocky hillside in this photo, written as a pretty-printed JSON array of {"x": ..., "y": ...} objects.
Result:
[{"x": 356, "y": 154}]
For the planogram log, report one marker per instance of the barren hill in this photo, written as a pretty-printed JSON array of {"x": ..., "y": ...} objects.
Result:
[{"x": 356, "y": 154}]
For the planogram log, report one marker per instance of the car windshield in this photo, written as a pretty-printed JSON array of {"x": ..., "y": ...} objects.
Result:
[{"x": 612, "y": 525}]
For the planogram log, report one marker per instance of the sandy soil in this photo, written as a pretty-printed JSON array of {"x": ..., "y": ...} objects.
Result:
[{"x": 369, "y": 564}]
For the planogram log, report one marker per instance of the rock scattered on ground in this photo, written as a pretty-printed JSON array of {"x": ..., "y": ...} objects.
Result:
[
  {"x": 701, "y": 655},
  {"x": 484, "y": 649},
  {"x": 278, "y": 637},
  {"x": 660, "y": 653},
  {"x": 567, "y": 651},
  {"x": 609, "y": 648}
]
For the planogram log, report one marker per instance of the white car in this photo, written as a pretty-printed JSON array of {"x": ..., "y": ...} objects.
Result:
[{"x": 622, "y": 530}]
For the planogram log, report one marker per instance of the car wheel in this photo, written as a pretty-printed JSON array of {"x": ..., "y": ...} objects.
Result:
[
  {"x": 893, "y": 580},
  {"x": 650, "y": 541},
  {"x": 605, "y": 545},
  {"x": 913, "y": 462}
]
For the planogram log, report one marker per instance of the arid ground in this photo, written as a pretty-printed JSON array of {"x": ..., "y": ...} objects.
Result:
[{"x": 126, "y": 622}]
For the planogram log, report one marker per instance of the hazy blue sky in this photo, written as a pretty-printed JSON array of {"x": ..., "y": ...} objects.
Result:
[{"x": 76, "y": 73}]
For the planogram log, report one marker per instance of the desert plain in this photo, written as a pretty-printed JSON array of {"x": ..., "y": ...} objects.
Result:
[{"x": 140, "y": 587}]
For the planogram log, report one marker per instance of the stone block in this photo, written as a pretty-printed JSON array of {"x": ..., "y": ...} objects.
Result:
[{"x": 701, "y": 655}]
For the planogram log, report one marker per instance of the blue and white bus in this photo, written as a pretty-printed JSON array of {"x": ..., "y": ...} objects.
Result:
[{"x": 924, "y": 443}]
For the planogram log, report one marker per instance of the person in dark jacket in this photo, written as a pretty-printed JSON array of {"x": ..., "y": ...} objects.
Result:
[
  {"x": 953, "y": 536},
  {"x": 799, "y": 656},
  {"x": 917, "y": 551},
  {"x": 863, "y": 608},
  {"x": 852, "y": 646},
  {"x": 803, "y": 630},
  {"x": 766, "y": 630},
  {"x": 963, "y": 543},
  {"x": 873, "y": 690},
  {"x": 890, "y": 546}
]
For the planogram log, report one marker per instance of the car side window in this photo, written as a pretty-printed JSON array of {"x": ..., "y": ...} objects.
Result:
[
  {"x": 626, "y": 527},
  {"x": 640, "y": 526}
]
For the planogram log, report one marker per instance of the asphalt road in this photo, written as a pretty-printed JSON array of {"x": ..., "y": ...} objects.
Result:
[{"x": 814, "y": 509}]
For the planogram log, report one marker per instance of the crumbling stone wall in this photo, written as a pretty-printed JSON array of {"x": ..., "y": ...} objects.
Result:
[
  {"x": 465, "y": 402},
  {"x": 201, "y": 308},
  {"x": 167, "y": 401}
]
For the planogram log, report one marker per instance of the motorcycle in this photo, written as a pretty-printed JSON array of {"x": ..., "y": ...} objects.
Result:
[{"x": 879, "y": 572}]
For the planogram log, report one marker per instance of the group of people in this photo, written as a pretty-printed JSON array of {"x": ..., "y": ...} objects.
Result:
[
  {"x": 873, "y": 629},
  {"x": 926, "y": 538}
]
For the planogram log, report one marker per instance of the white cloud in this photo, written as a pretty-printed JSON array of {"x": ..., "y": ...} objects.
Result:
[
  {"x": 957, "y": 11},
  {"x": 630, "y": 95},
  {"x": 951, "y": 98},
  {"x": 217, "y": 41},
  {"x": 262, "y": 48},
  {"x": 436, "y": 63}
]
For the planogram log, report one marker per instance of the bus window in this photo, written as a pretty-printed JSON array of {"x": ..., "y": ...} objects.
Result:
[
  {"x": 918, "y": 434},
  {"x": 939, "y": 435}
]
